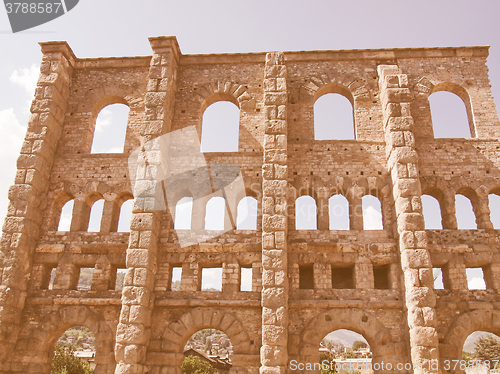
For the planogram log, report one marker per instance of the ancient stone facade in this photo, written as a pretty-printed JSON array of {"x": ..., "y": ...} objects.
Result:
[{"x": 296, "y": 298}]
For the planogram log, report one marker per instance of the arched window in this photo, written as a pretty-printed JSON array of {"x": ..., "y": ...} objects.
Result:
[
  {"x": 246, "y": 218},
  {"x": 449, "y": 115},
  {"x": 110, "y": 129},
  {"x": 183, "y": 212},
  {"x": 333, "y": 118},
  {"x": 215, "y": 212},
  {"x": 431, "y": 212},
  {"x": 208, "y": 342},
  {"x": 96, "y": 216},
  {"x": 466, "y": 219},
  {"x": 79, "y": 342},
  {"x": 494, "y": 204},
  {"x": 372, "y": 213},
  {"x": 305, "y": 213},
  {"x": 338, "y": 209},
  {"x": 220, "y": 127},
  {"x": 339, "y": 344},
  {"x": 66, "y": 216},
  {"x": 125, "y": 216}
]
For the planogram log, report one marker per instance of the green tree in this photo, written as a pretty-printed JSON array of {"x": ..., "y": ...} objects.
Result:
[
  {"x": 323, "y": 357},
  {"x": 358, "y": 344},
  {"x": 487, "y": 348},
  {"x": 196, "y": 365},
  {"x": 64, "y": 362}
]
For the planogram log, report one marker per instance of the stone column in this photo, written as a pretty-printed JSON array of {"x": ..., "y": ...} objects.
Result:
[
  {"x": 402, "y": 161},
  {"x": 28, "y": 194},
  {"x": 274, "y": 352},
  {"x": 134, "y": 328}
]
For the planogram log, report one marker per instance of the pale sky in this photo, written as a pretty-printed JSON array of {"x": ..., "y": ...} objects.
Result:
[{"x": 121, "y": 28}]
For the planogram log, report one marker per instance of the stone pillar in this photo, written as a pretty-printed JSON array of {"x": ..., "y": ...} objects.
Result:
[
  {"x": 102, "y": 277},
  {"x": 274, "y": 352},
  {"x": 28, "y": 194},
  {"x": 482, "y": 211},
  {"x": 110, "y": 215},
  {"x": 66, "y": 277},
  {"x": 231, "y": 275},
  {"x": 402, "y": 161},
  {"x": 81, "y": 215},
  {"x": 323, "y": 217},
  {"x": 448, "y": 210},
  {"x": 363, "y": 273},
  {"x": 134, "y": 328},
  {"x": 355, "y": 208}
]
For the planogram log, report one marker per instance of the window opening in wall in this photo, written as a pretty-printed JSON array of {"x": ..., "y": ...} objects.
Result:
[
  {"x": 494, "y": 205},
  {"x": 66, "y": 216},
  {"x": 125, "y": 216},
  {"x": 110, "y": 129},
  {"x": 483, "y": 348},
  {"x": 246, "y": 218},
  {"x": 48, "y": 276},
  {"x": 306, "y": 277},
  {"x": 96, "y": 216},
  {"x": 85, "y": 279},
  {"x": 52, "y": 276},
  {"x": 207, "y": 351},
  {"x": 183, "y": 212},
  {"x": 381, "y": 277},
  {"x": 432, "y": 213},
  {"x": 466, "y": 219},
  {"x": 175, "y": 281},
  {"x": 305, "y": 213},
  {"x": 220, "y": 127},
  {"x": 79, "y": 342},
  {"x": 211, "y": 279},
  {"x": 438, "y": 278},
  {"x": 475, "y": 279},
  {"x": 215, "y": 212},
  {"x": 341, "y": 344},
  {"x": 333, "y": 118},
  {"x": 338, "y": 209},
  {"x": 343, "y": 277},
  {"x": 246, "y": 279},
  {"x": 120, "y": 278},
  {"x": 449, "y": 115},
  {"x": 372, "y": 213}
]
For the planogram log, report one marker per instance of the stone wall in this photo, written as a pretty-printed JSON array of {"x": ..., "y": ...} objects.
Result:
[{"x": 305, "y": 283}]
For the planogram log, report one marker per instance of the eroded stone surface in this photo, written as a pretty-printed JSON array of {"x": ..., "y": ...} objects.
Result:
[{"x": 305, "y": 283}]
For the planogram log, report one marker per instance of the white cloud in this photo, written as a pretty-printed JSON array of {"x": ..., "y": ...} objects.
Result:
[
  {"x": 26, "y": 78},
  {"x": 476, "y": 284},
  {"x": 10, "y": 144}
]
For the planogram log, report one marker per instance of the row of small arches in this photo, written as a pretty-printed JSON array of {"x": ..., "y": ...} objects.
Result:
[
  {"x": 305, "y": 213},
  {"x": 465, "y": 212},
  {"x": 333, "y": 120},
  {"x": 246, "y": 217},
  {"x": 94, "y": 223}
]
